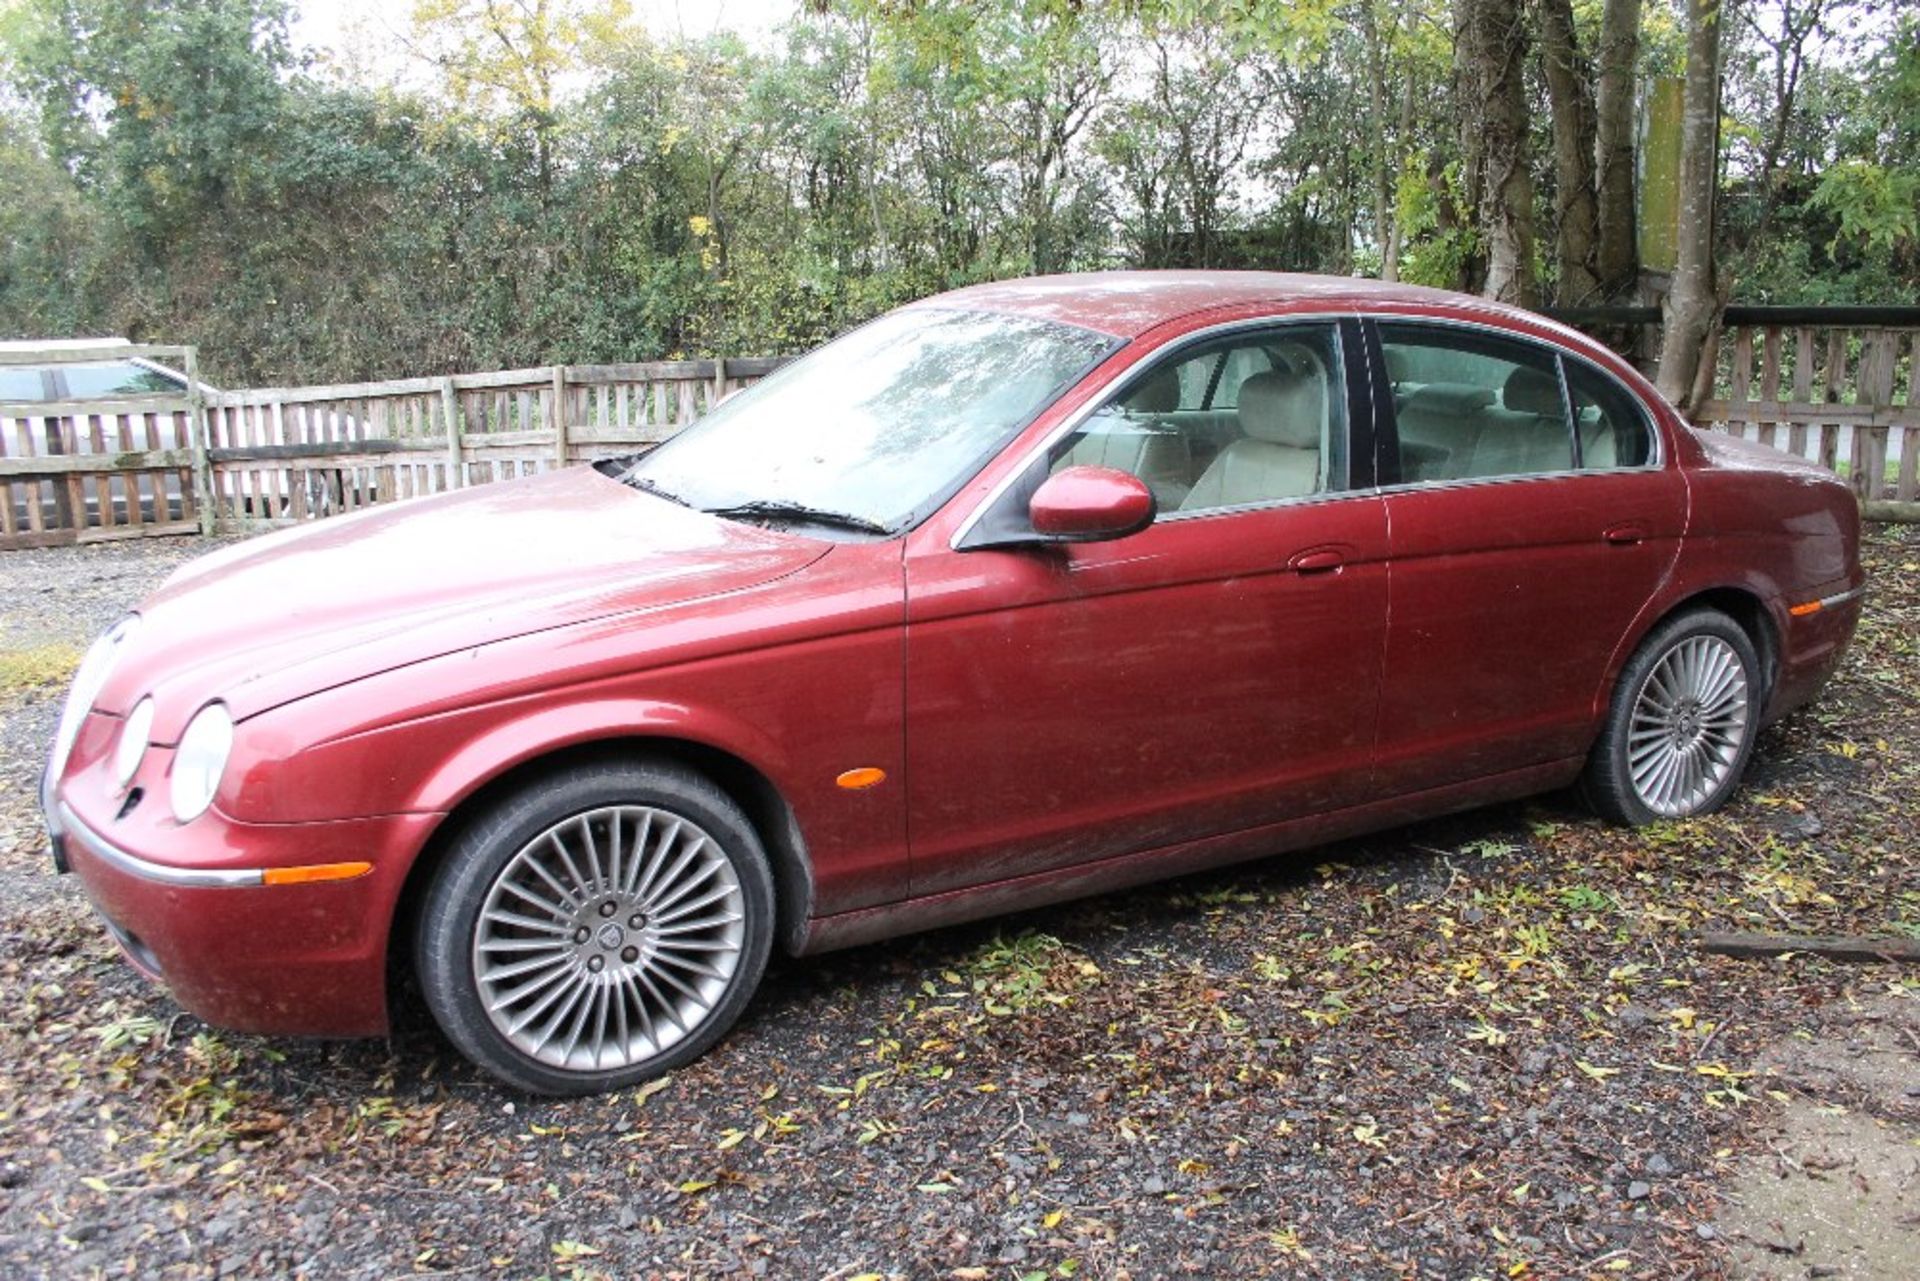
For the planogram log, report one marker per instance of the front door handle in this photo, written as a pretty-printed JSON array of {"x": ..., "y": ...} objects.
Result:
[
  {"x": 1319, "y": 560},
  {"x": 1626, "y": 535}
]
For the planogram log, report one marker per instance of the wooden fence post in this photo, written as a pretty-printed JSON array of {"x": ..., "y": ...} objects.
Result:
[
  {"x": 719, "y": 383},
  {"x": 197, "y": 435},
  {"x": 560, "y": 416},
  {"x": 456, "y": 465}
]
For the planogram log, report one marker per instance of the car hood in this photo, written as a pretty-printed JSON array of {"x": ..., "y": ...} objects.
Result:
[{"x": 277, "y": 618}]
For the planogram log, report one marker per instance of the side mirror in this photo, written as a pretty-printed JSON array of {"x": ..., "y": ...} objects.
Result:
[{"x": 1091, "y": 504}]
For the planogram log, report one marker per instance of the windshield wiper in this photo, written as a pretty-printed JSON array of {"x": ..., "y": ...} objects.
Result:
[
  {"x": 778, "y": 509},
  {"x": 646, "y": 486}
]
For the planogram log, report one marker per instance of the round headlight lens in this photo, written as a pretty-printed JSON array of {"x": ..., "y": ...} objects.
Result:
[
  {"x": 132, "y": 747},
  {"x": 200, "y": 760}
]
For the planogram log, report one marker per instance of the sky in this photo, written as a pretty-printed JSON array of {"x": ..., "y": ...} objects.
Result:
[{"x": 366, "y": 36}]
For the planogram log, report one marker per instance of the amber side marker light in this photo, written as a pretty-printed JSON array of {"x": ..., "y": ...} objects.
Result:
[
  {"x": 866, "y": 776},
  {"x": 1801, "y": 611},
  {"x": 314, "y": 872}
]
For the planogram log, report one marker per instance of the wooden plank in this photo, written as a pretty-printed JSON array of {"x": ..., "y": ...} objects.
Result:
[
  {"x": 1902, "y": 951},
  {"x": 321, "y": 449},
  {"x": 1721, "y": 411},
  {"x": 557, "y": 419},
  {"x": 1802, "y": 388},
  {"x": 148, "y": 531},
  {"x": 63, "y": 466},
  {"x": 102, "y": 405},
  {"x": 1769, "y": 381},
  {"x": 79, "y": 356},
  {"x": 38, "y": 537},
  {"x": 1907, "y": 488},
  {"x": 197, "y": 426},
  {"x": 1739, "y": 412},
  {"x": 1890, "y": 511},
  {"x": 450, "y": 409}
]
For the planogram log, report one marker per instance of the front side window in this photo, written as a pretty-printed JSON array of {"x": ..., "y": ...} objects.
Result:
[
  {"x": 17, "y": 384},
  {"x": 1469, "y": 405},
  {"x": 876, "y": 429},
  {"x": 1250, "y": 419}
]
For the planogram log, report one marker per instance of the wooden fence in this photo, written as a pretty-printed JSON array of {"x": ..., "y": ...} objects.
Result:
[
  {"x": 1837, "y": 385},
  {"x": 90, "y": 470},
  {"x": 81, "y": 472}
]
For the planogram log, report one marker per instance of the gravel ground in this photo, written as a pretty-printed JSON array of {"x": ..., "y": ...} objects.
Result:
[{"x": 1483, "y": 1047}]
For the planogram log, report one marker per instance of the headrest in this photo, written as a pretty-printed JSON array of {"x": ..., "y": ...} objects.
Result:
[
  {"x": 1160, "y": 394},
  {"x": 1531, "y": 391},
  {"x": 1282, "y": 407},
  {"x": 1453, "y": 399},
  {"x": 1396, "y": 364}
]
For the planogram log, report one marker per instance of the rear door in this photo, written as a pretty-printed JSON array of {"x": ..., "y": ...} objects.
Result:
[{"x": 1532, "y": 521}]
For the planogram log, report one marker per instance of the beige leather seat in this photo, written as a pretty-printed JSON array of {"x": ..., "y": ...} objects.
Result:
[
  {"x": 1283, "y": 418},
  {"x": 1527, "y": 433},
  {"x": 1132, "y": 441}
]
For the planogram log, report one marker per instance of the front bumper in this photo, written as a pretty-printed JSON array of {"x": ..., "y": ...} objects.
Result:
[{"x": 304, "y": 959}]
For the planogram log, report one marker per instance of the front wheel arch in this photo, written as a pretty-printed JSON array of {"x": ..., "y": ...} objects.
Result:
[{"x": 766, "y": 809}]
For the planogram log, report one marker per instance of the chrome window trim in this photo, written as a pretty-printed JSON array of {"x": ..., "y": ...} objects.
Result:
[
  {"x": 1126, "y": 382},
  {"x": 1648, "y": 420},
  {"x": 165, "y": 874}
]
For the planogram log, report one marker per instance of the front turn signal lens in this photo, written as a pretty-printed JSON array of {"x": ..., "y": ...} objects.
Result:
[
  {"x": 314, "y": 872},
  {"x": 855, "y": 780}
]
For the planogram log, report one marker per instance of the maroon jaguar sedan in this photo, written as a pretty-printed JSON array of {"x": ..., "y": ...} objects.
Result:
[{"x": 1027, "y": 591}]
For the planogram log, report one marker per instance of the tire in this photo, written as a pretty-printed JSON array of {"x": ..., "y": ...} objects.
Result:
[
  {"x": 1682, "y": 724},
  {"x": 532, "y": 977}
]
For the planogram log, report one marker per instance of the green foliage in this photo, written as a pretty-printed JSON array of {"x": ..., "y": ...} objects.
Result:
[{"x": 571, "y": 189}]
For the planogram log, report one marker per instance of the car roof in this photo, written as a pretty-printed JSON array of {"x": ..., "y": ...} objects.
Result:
[
  {"x": 1128, "y": 303},
  {"x": 105, "y": 346}
]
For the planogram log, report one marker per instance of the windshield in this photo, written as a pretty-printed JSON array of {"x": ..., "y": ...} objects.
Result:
[{"x": 876, "y": 429}]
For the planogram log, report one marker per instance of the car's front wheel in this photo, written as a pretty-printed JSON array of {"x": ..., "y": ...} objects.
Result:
[
  {"x": 599, "y": 927},
  {"x": 1682, "y": 724}
]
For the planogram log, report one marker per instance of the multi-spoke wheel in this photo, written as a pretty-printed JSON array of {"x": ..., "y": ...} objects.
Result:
[
  {"x": 1682, "y": 724},
  {"x": 601, "y": 927}
]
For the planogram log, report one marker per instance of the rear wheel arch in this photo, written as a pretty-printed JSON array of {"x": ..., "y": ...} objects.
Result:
[
  {"x": 747, "y": 786},
  {"x": 1742, "y": 604}
]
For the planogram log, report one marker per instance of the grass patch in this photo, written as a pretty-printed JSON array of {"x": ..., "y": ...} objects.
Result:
[{"x": 45, "y": 667}]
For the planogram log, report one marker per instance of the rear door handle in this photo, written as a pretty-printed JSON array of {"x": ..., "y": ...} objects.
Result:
[
  {"x": 1626, "y": 535},
  {"x": 1319, "y": 560}
]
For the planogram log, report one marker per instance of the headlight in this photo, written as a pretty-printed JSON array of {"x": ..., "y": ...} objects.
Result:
[
  {"x": 132, "y": 748},
  {"x": 200, "y": 759},
  {"x": 93, "y": 673}
]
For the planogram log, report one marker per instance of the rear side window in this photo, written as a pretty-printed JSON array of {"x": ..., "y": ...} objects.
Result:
[
  {"x": 1612, "y": 428},
  {"x": 118, "y": 378},
  {"x": 1469, "y": 405}
]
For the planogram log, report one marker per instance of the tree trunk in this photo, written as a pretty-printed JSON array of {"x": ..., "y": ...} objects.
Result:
[
  {"x": 1385, "y": 170},
  {"x": 1493, "y": 50},
  {"x": 1691, "y": 305},
  {"x": 1618, "y": 260},
  {"x": 1577, "y": 230}
]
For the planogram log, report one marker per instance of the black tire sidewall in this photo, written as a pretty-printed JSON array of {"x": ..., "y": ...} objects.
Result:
[
  {"x": 443, "y": 949},
  {"x": 1608, "y": 781}
]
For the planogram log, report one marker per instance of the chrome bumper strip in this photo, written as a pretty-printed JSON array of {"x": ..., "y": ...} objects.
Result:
[
  {"x": 1828, "y": 602},
  {"x": 121, "y": 861}
]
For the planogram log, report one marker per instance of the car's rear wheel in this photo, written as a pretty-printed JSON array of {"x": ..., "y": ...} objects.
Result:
[
  {"x": 1682, "y": 724},
  {"x": 597, "y": 928}
]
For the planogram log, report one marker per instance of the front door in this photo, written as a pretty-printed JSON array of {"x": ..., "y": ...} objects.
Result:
[{"x": 1215, "y": 672}]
